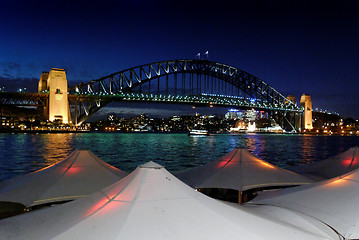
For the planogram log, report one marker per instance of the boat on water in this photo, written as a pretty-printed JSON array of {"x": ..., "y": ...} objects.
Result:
[{"x": 198, "y": 132}]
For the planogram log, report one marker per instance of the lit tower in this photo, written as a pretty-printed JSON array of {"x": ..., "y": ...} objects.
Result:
[
  {"x": 292, "y": 99},
  {"x": 306, "y": 103},
  {"x": 42, "y": 88},
  {"x": 43, "y": 81},
  {"x": 55, "y": 83}
]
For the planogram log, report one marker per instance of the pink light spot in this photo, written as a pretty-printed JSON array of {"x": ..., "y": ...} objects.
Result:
[
  {"x": 97, "y": 206},
  {"x": 222, "y": 164},
  {"x": 73, "y": 170},
  {"x": 347, "y": 162}
]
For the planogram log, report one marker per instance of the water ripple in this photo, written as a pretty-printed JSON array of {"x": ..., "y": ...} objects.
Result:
[{"x": 24, "y": 153}]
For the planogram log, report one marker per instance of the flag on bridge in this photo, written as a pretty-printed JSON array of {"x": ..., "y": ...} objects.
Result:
[{"x": 198, "y": 55}]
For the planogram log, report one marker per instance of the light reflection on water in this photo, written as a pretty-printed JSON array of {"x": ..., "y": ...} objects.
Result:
[
  {"x": 23, "y": 153},
  {"x": 55, "y": 147}
]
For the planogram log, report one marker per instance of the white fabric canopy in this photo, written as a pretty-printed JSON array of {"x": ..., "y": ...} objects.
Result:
[
  {"x": 332, "y": 167},
  {"x": 334, "y": 202},
  {"x": 150, "y": 203},
  {"x": 240, "y": 170},
  {"x": 79, "y": 174}
]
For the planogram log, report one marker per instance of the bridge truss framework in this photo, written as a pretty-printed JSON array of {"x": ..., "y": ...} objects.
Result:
[{"x": 180, "y": 81}]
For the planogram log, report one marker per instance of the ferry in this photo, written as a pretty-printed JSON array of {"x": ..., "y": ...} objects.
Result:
[{"x": 198, "y": 132}]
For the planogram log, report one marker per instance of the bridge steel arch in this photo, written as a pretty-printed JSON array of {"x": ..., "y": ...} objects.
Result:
[{"x": 88, "y": 98}]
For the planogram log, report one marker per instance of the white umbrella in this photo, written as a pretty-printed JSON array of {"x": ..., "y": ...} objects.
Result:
[
  {"x": 334, "y": 202},
  {"x": 332, "y": 167},
  {"x": 150, "y": 203},
  {"x": 240, "y": 170},
  {"x": 79, "y": 174}
]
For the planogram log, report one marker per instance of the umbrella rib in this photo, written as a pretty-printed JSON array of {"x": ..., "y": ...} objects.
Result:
[
  {"x": 58, "y": 179},
  {"x": 351, "y": 163}
]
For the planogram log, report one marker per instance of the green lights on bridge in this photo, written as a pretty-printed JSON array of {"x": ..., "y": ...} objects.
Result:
[{"x": 204, "y": 98}]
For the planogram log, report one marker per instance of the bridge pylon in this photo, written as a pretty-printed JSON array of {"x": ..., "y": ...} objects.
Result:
[
  {"x": 307, "y": 119},
  {"x": 57, "y": 106},
  {"x": 294, "y": 117}
]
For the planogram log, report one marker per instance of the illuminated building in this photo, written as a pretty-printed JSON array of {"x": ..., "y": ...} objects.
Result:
[
  {"x": 251, "y": 126},
  {"x": 234, "y": 114},
  {"x": 8, "y": 122},
  {"x": 306, "y": 103}
]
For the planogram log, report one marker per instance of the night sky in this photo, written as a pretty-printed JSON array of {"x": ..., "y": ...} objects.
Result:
[{"x": 295, "y": 46}]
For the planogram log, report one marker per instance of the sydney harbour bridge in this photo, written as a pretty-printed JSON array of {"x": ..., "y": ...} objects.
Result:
[{"x": 195, "y": 82}]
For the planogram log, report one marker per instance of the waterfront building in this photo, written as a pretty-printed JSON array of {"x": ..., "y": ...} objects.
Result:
[{"x": 8, "y": 121}]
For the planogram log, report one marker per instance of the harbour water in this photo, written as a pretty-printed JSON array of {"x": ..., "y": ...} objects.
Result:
[{"x": 24, "y": 153}]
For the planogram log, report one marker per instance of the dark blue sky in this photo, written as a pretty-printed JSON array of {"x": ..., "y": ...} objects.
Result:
[{"x": 295, "y": 46}]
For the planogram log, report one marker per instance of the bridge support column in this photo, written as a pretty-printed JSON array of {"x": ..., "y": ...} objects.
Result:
[
  {"x": 42, "y": 88},
  {"x": 76, "y": 112},
  {"x": 57, "y": 108},
  {"x": 306, "y": 103}
]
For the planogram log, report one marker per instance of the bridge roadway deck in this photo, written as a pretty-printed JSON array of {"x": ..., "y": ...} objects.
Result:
[{"x": 39, "y": 99}]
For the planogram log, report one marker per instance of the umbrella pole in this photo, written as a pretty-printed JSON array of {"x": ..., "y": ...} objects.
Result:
[{"x": 240, "y": 197}]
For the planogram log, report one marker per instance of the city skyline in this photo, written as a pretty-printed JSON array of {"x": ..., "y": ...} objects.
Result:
[{"x": 296, "y": 47}]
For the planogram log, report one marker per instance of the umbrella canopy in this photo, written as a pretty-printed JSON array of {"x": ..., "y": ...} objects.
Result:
[
  {"x": 79, "y": 174},
  {"x": 240, "y": 170},
  {"x": 332, "y": 167},
  {"x": 334, "y": 202},
  {"x": 150, "y": 203}
]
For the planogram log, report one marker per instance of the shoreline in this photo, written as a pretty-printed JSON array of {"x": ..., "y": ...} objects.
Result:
[{"x": 179, "y": 132}]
